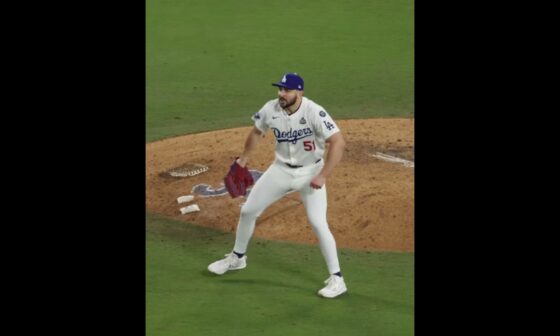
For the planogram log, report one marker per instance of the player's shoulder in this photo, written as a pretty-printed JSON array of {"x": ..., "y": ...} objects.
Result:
[
  {"x": 314, "y": 109},
  {"x": 271, "y": 106},
  {"x": 273, "y": 103},
  {"x": 267, "y": 109}
]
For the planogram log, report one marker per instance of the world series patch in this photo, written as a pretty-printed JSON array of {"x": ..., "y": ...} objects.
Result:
[{"x": 322, "y": 114}]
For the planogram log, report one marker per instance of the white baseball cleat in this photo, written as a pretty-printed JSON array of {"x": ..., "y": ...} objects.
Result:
[
  {"x": 230, "y": 263},
  {"x": 335, "y": 287}
]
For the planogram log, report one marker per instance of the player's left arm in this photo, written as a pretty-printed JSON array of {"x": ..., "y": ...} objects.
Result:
[{"x": 336, "y": 150}]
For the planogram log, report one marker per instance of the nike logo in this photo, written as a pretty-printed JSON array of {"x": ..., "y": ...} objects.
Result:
[{"x": 275, "y": 117}]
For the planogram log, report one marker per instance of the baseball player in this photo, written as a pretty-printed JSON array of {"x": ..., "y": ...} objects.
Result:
[{"x": 301, "y": 128}]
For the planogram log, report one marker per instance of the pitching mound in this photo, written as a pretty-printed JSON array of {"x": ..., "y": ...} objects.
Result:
[{"x": 370, "y": 194}]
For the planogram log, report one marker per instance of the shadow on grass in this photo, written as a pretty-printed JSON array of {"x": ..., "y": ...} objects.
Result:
[{"x": 227, "y": 280}]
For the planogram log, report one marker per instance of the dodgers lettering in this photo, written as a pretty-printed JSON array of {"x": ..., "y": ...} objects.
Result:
[{"x": 292, "y": 135}]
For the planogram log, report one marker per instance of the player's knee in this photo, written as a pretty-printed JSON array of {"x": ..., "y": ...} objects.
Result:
[
  {"x": 319, "y": 224},
  {"x": 249, "y": 211}
]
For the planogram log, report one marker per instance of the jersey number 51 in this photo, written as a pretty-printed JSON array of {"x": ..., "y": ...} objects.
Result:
[{"x": 309, "y": 145}]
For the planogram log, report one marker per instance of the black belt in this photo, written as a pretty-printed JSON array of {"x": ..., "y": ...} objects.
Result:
[{"x": 292, "y": 166}]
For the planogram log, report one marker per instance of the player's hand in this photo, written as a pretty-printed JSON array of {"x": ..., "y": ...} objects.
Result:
[
  {"x": 242, "y": 161},
  {"x": 318, "y": 182}
]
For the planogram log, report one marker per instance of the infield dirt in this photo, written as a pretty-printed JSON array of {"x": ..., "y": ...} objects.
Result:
[{"x": 370, "y": 201}]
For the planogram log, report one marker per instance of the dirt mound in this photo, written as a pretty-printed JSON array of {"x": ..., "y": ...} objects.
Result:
[{"x": 371, "y": 201}]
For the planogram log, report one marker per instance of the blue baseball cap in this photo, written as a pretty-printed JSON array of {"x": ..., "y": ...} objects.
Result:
[{"x": 291, "y": 81}]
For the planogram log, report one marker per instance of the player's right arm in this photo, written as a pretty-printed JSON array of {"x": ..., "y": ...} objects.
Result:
[
  {"x": 250, "y": 144},
  {"x": 259, "y": 130}
]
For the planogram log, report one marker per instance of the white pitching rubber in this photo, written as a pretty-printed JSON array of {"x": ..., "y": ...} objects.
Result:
[
  {"x": 184, "y": 199},
  {"x": 190, "y": 208}
]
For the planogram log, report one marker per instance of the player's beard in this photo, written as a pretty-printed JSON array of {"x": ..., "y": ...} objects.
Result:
[{"x": 287, "y": 103}]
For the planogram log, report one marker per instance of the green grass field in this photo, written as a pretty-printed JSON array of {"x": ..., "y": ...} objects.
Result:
[
  {"x": 275, "y": 294},
  {"x": 209, "y": 65}
]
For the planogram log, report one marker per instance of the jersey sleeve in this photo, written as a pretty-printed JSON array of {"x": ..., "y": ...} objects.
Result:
[
  {"x": 324, "y": 124},
  {"x": 261, "y": 118}
]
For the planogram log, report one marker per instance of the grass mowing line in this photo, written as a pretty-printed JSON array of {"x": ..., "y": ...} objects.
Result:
[{"x": 275, "y": 294}]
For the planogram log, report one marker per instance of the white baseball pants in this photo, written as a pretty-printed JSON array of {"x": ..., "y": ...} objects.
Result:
[{"x": 278, "y": 180}]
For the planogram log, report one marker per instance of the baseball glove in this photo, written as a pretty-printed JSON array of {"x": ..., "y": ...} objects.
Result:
[{"x": 237, "y": 180}]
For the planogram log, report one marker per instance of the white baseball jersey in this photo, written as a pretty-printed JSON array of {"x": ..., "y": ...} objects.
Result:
[{"x": 300, "y": 137}]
